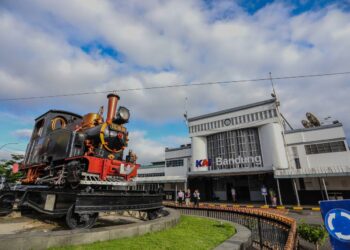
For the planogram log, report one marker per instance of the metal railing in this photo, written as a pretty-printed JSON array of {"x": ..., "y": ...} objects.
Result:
[{"x": 269, "y": 230}]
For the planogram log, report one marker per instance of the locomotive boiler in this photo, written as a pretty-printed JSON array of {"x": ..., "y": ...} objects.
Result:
[{"x": 75, "y": 167}]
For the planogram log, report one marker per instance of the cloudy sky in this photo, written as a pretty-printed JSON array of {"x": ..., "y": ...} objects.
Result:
[{"x": 59, "y": 47}]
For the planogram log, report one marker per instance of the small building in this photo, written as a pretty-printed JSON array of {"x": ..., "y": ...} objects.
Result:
[{"x": 170, "y": 175}]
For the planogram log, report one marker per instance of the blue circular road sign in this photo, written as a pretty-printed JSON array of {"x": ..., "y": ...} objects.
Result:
[{"x": 337, "y": 223}]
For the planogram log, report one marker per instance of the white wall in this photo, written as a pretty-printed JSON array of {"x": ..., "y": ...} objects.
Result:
[
  {"x": 330, "y": 162},
  {"x": 177, "y": 154},
  {"x": 178, "y": 171},
  {"x": 150, "y": 170},
  {"x": 272, "y": 146},
  {"x": 255, "y": 109},
  {"x": 199, "y": 152}
]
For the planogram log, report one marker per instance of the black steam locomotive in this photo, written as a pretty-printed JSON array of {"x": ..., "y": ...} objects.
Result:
[
  {"x": 68, "y": 149},
  {"x": 74, "y": 167}
]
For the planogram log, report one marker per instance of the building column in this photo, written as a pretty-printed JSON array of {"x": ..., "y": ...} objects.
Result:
[
  {"x": 319, "y": 184},
  {"x": 296, "y": 191},
  {"x": 325, "y": 188},
  {"x": 279, "y": 191},
  {"x": 175, "y": 192}
]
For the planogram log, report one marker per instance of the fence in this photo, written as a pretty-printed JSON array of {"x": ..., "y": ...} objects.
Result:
[{"x": 269, "y": 230}]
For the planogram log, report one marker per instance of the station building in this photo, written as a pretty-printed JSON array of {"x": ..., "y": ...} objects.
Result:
[{"x": 248, "y": 148}]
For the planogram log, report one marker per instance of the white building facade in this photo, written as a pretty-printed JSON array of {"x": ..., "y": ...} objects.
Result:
[{"x": 247, "y": 148}]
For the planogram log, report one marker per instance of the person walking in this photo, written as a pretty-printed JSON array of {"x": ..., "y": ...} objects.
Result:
[
  {"x": 233, "y": 193},
  {"x": 180, "y": 196},
  {"x": 196, "y": 198},
  {"x": 188, "y": 197}
]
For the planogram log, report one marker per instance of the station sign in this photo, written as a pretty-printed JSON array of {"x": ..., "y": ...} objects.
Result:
[{"x": 248, "y": 163}]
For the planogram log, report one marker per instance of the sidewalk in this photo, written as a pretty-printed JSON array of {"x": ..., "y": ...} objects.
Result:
[{"x": 262, "y": 205}]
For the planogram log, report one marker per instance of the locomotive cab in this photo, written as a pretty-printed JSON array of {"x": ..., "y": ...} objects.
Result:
[{"x": 50, "y": 137}]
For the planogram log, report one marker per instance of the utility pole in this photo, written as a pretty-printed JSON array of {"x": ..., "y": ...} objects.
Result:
[{"x": 10, "y": 143}]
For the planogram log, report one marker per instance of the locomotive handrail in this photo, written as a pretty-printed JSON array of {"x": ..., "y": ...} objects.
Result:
[{"x": 269, "y": 230}]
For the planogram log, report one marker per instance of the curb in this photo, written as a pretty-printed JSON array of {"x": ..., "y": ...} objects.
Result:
[
  {"x": 296, "y": 208},
  {"x": 44, "y": 240},
  {"x": 241, "y": 240}
]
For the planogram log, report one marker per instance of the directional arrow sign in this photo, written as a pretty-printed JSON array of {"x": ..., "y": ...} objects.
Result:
[{"x": 337, "y": 222}]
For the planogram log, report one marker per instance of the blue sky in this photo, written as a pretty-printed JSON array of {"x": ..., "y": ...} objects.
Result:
[{"x": 58, "y": 47}]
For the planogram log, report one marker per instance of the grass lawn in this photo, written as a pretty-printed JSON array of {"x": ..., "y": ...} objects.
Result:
[{"x": 191, "y": 233}]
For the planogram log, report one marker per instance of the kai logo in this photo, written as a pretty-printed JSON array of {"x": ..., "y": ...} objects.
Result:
[{"x": 203, "y": 163}]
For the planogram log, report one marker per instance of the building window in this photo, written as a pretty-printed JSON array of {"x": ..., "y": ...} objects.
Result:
[
  {"x": 175, "y": 163},
  {"x": 274, "y": 112},
  {"x": 265, "y": 114},
  {"x": 248, "y": 118},
  {"x": 231, "y": 145},
  {"x": 328, "y": 147},
  {"x": 270, "y": 113},
  {"x": 151, "y": 175}
]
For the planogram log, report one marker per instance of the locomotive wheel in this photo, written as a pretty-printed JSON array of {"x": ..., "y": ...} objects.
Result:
[
  {"x": 79, "y": 221},
  {"x": 6, "y": 203}
]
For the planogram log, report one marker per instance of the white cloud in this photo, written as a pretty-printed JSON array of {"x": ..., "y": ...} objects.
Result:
[
  {"x": 167, "y": 42},
  {"x": 23, "y": 133},
  {"x": 147, "y": 150}
]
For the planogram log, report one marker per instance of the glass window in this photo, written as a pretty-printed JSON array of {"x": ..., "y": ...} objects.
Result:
[
  {"x": 175, "y": 163},
  {"x": 274, "y": 112},
  {"x": 39, "y": 127},
  {"x": 151, "y": 175},
  {"x": 328, "y": 147},
  {"x": 232, "y": 144}
]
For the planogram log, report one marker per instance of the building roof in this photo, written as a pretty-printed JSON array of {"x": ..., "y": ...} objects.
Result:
[
  {"x": 222, "y": 112},
  {"x": 184, "y": 146},
  {"x": 314, "y": 128}
]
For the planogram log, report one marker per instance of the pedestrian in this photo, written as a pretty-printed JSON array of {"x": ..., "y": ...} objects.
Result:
[
  {"x": 188, "y": 197},
  {"x": 273, "y": 197},
  {"x": 180, "y": 196},
  {"x": 196, "y": 198},
  {"x": 233, "y": 193}
]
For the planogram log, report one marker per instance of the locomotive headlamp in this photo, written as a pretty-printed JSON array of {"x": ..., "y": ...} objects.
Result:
[{"x": 123, "y": 115}]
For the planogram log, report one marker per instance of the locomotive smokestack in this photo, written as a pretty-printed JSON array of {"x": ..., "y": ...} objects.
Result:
[{"x": 112, "y": 107}]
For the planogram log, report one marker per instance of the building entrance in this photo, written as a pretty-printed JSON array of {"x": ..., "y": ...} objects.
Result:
[{"x": 247, "y": 187}]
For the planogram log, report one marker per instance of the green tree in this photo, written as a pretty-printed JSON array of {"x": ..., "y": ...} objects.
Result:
[
  {"x": 315, "y": 234},
  {"x": 6, "y": 168}
]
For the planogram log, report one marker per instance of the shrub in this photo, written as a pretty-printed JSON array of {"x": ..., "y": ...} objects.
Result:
[{"x": 315, "y": 234}]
